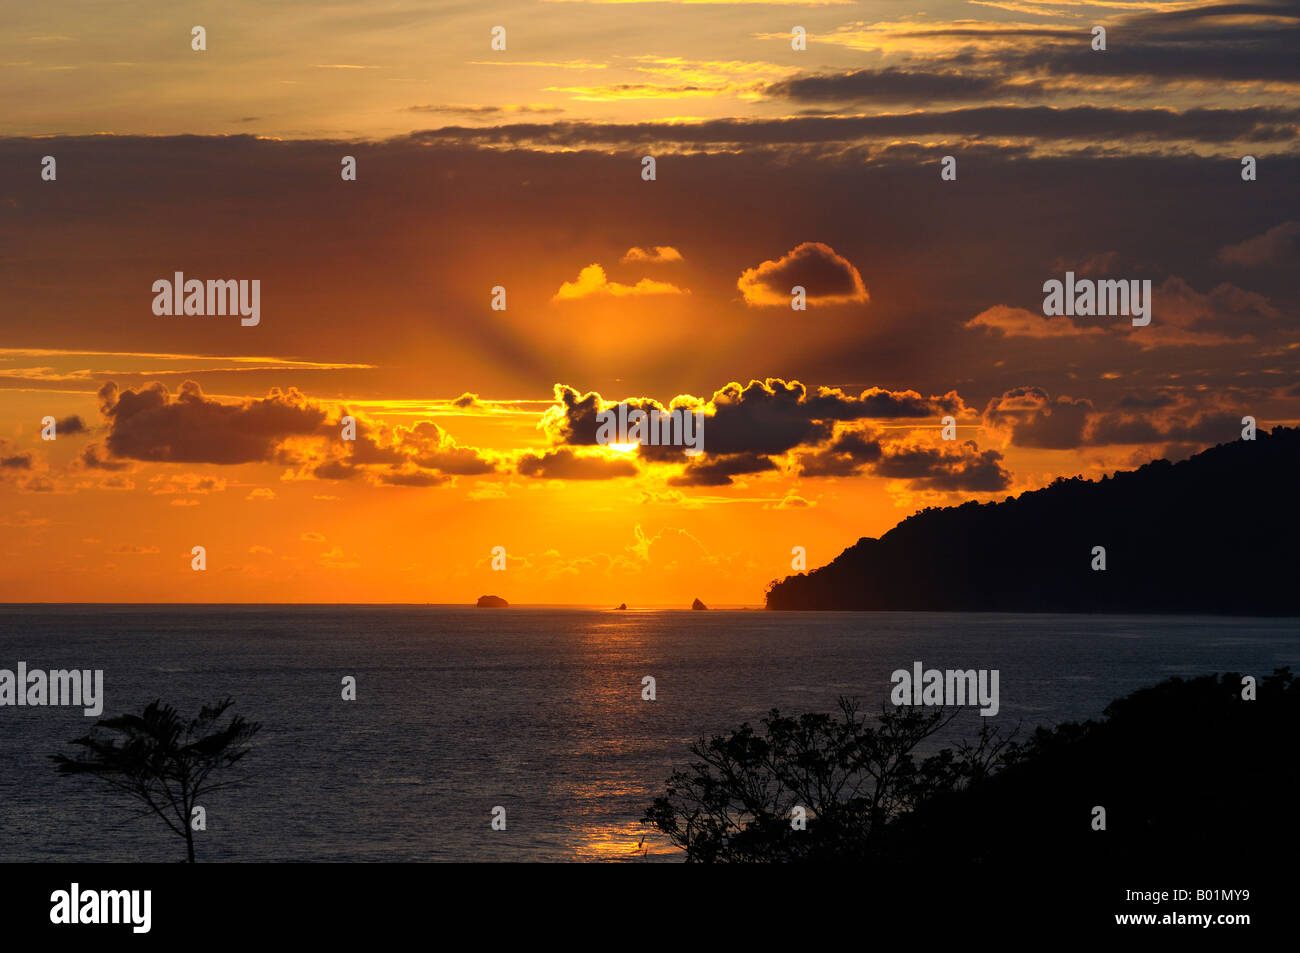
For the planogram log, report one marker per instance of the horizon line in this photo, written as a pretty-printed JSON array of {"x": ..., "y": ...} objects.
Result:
[{"x": 448, "y": 605}]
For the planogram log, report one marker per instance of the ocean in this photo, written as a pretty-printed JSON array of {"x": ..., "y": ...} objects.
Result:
[{"x": 540, "y": 711}]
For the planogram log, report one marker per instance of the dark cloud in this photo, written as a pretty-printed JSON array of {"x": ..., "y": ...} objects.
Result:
[
  {"x": 1223, "y": 19},
  {"x": 564, "y": 464},
  {"x": 1204, "y": 428},
  {"x": 719, "y": 470},
  {"x": 1235, "y": 42},
  {"x": 336, "y": 470},
  {"x": 424, "y": 445},
  {"x": 826, "y": 277},
  {"x": 747, "y": 425},
  {"x": 92, "y": 458},
  {"x": 962, "y": 468},
  {"x": 847, "y": 455},
  {"x": 69, "y": 426},
  {"x": 774, "y": 416},
  {"x": 878, "y": 403},
  {"x": 458, "y": 461},
  {"x": 1255, "y": 124},
  {"x": 151, "y": 424},
  {"x": 1261, "y": 58},
  {"x": 12, "y": 460},
  {"x": 1124, "y": 428},
  {"x": 765, "y": 417},
  {"x": 901, "y": 84},
  {"x": 1225, "y": 311},
  {"x": 1227, "y": 41},
  {"x": 1038, "y": 421},
  {"x": 419, "y": 478},
  {"x": 573, "y": 420},
  {"x": 1280, "y": 244}
]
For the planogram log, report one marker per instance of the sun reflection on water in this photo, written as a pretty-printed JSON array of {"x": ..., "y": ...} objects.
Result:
[{"x": 622, "y": 843}]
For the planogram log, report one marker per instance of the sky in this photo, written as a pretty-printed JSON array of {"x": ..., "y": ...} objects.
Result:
[{"x": 522, "y": 169}]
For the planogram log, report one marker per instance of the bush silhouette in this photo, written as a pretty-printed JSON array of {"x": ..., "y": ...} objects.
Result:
[{"x": 1187, "y": 771}]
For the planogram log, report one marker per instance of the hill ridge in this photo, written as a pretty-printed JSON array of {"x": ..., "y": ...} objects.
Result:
[{"x": 1210, "y": 534}]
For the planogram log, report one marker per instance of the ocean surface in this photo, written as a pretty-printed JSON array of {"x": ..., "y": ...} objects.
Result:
[{"x": 459, "y": 710}]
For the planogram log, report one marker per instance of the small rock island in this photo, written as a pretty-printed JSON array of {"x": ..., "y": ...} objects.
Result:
[
  {"x": 492, "y": 602},
  {"x": 697, "y": 604},
  {"x": 622, "y": 606}
]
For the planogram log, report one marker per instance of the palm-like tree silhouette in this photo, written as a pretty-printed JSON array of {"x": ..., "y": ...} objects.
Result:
[{"x": 163, "y": 760}]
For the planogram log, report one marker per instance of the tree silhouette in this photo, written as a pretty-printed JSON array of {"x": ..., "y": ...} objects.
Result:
[
  {"x": 164, "y": 761},
  {"x": 850, "y": 775},
  {"x": 1196, "y": 774}
]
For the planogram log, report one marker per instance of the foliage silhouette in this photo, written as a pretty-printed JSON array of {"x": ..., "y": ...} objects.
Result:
[
  {"x": 1189, "y": 773},
  {"x": 1211, "y": 534},
  {"x": 851, "y": 775},
  {"x": 164, "y": 761}
]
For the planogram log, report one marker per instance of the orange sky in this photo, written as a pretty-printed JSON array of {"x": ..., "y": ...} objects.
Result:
[{"x": 522, "y": 169}]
